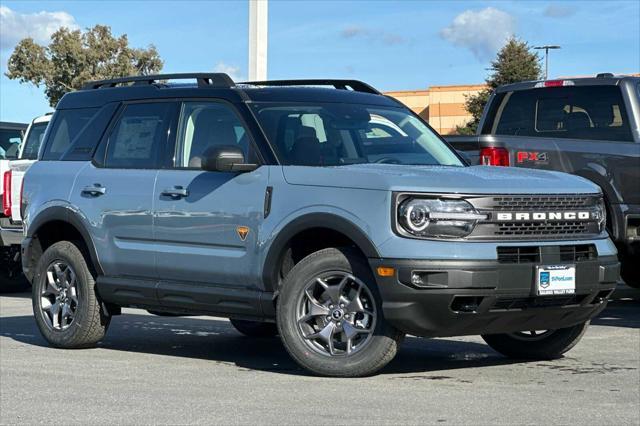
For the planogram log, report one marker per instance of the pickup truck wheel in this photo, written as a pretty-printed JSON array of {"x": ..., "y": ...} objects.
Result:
[
  {"x": 11, "y": 277},
  {"x": 12, "y": 283},
  {"x": 255, "y": 328},
  {"x": 630, "y": 273},
  {"x": 65, "y": 304},
  {"x": 537, "y": 344},
  {"x": 329, "y": 316}
]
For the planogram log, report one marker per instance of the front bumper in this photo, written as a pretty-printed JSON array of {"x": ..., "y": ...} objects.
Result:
[
  {"x": 488, "y": 297},
  {"x": 10, "y": 234}
]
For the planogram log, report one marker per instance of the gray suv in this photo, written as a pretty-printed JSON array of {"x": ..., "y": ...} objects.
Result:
[{"x": 317, "y": 210}]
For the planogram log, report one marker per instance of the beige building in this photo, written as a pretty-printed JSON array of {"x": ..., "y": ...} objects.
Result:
[{"x": 442, "y": 106}]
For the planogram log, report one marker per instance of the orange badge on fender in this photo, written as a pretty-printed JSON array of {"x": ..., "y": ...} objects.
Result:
[{"x": 243, "y": 231}]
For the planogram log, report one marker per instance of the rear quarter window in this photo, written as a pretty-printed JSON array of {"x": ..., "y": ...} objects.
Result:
[
  {"x": 570, "y": 112},
  {"x": 67, "y": 125}
]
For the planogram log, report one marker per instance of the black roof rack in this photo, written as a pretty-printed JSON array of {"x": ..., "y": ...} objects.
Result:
[
  {"x": 355, "y": 85},
  {"x": 220, "y": 80}
]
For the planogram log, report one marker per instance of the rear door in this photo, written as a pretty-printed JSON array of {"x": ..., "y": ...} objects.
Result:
[
  {"x": 115, "y": 192},
  {"x": 207, "y": 223}
]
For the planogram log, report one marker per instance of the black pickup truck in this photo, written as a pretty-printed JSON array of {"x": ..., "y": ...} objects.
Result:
[{"x": 585, "y": 126}]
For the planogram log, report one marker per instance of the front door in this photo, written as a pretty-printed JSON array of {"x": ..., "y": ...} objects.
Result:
[{"x": 207, "y": 223}]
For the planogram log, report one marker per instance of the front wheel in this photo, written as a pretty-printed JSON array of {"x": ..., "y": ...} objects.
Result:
[
  {"x": 330, "y": 319},
  {"x": 537, "y": 344}
]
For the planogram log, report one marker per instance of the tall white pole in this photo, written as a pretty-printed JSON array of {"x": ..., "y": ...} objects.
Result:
[{"x": 258, "y": 14}]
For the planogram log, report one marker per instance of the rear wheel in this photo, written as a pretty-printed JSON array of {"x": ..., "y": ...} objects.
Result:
[
  {"x": 255, "y": 328},
  {"x": 537, "y": 344},
  {"x": 330, "y": 319},
  {"x": 65, "y": 304}
]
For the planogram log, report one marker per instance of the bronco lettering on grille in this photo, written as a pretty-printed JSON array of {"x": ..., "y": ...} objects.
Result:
[{"x": 561, "y": 215}]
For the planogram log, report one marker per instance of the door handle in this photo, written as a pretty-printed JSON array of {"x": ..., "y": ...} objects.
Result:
[
  {"x": 95, "y": 191},
  {"x": 175, "y": 192}
]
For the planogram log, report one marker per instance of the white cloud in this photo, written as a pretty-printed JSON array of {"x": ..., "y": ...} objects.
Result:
[
  {"x": 232, "y": 70},
  {"x": 483, "y": 32},
  {"x": 15, "y": 26},
  {"x": 558, "y": 11}
]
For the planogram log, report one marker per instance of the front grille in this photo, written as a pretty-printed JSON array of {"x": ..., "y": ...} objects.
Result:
[
  {"x": 537, "y": 217},
  {"x": 520, "y": 303},
  {"x": 547, "y": 254},
  {"x": 578, "y": 253},
  {"x": 542, "y": 202},
  {"x": 542, "y": 228},
  {"x": 530, "y": 254}
]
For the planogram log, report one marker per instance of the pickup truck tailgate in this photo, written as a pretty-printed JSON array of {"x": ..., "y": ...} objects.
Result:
[{"x": 18, "y": 170}]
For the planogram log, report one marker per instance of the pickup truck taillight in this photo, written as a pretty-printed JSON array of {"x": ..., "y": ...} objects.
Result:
[
  {"x": 21, "y": 207},
  {"x": 494, "y": 156},
  {"x": 6, "y": 193}
]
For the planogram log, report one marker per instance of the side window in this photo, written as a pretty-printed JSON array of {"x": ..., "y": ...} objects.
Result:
[
  {"x": 206, "y": 124},
  {"x": 138, "y": 139},
  {"x": 67, "y": 125},
  {"x": 33, "y": 142}
]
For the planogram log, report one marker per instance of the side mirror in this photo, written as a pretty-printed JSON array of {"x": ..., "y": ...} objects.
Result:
[{"x": 225, "y": 158}]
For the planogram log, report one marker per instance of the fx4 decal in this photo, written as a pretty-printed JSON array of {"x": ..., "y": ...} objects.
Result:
[{"x": 531, "y": 156}]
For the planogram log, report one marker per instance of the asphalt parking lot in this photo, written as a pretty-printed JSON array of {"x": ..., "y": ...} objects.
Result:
[{"x": 200, "y": 370}]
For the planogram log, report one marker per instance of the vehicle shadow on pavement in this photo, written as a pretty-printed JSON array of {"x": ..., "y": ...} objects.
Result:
[
  {"x": 620, "y": 313},
  {"x": 217, "y": 341}
]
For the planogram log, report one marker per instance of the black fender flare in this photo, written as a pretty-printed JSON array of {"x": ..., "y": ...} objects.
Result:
[
  {"x": 309, "y": 221},
  {"x": 64, "y": 214},
  {"x": 611, "y": 199}
]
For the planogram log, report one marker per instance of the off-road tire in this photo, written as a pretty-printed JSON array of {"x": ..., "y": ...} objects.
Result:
[
  {"x": 91, "y": 321},
  {"x": 255, "y": 328},
  {"x": 549, "y": 347},
  {"x": 385, "y": 339}
]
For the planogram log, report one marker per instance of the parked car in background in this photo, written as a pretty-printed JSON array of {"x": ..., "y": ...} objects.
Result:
[
  {"x": 28, "y": 155},
  {"x": 11, "y": 136},
  {"x": 589, "y": 127},
  {"x": 332, "y": 216},
  {"x": 11, "y": 229}
]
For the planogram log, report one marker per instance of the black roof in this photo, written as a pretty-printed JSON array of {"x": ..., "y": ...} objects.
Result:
[
  {"x": 219, "y": 85},
  {"x": 600, "y": 80},
  {"x": 7, "y": 125}
]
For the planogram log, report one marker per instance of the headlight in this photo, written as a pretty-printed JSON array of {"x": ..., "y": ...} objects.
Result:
[
  {"x": 602, "y": 215},
  {"x": 424, "y": 217}
]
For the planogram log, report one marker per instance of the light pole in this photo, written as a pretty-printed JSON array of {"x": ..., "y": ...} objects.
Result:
[
  {"x": 258, "y": 13},
  {"x": 546, "y": 48}
]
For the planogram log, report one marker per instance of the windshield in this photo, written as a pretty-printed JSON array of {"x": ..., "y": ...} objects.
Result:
[
  {"x": 34, "y": 140},
  {"x": 332, "y": 134}
]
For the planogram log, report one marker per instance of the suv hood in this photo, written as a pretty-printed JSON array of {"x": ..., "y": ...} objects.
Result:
[{"x": 440, "y": 179}]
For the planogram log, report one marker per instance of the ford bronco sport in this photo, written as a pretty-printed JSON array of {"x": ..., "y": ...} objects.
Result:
[{"x": 318, "y": 210}]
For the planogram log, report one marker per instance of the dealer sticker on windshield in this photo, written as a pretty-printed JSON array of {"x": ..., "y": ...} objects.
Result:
[{"x": 559, "y": 279}]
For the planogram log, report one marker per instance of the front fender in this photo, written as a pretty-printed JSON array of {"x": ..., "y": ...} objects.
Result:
[{"x": 337, "y": 220}]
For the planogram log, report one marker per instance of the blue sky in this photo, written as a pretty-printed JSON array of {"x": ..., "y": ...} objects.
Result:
[{"x": 399, "y": 45}]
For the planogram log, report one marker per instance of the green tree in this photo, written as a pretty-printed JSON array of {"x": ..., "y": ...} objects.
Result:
[
  {"x": 515, "y": 62},
  {"x": 73, "y": 57}
]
